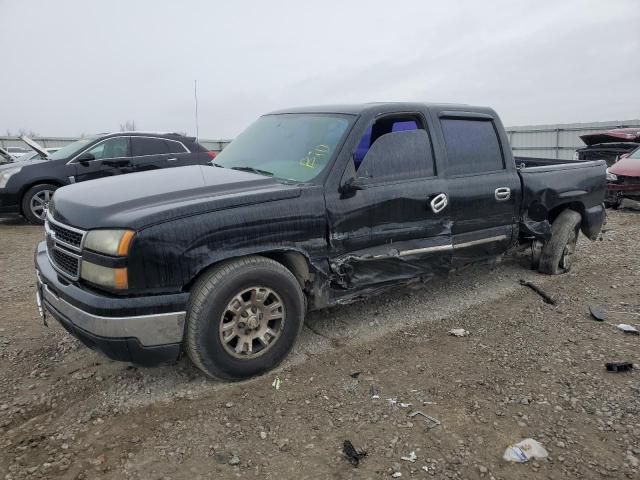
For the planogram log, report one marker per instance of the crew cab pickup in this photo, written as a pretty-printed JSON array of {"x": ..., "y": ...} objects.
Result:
[{"x": 307, "y": 208}]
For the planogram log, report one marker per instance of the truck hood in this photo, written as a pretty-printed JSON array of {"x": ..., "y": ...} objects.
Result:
[
  {"x": 628, "y": 167},
  {"x": 142, "y": 199}
]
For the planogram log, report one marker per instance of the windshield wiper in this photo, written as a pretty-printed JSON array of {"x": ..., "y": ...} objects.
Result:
[{"x": 253, "y": 170}]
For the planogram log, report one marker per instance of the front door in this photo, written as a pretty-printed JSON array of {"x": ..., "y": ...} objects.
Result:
[
  {"x": 104, "y": 159},
  {"x": 390, "y": 222}
]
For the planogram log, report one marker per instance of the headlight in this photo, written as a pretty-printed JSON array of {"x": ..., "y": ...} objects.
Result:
[
  {"x": 110, "y": 242},
  {"x": 7, "y": 174},
  {"x": 115, "y": 278},
  {"x": 611, "y": 177}
]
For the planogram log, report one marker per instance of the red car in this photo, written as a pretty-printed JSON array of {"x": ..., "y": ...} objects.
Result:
[{"x": 623, "y": 179}]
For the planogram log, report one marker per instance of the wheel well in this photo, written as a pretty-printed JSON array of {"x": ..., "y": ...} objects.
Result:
[
  {"x": 26, "y": 188},
  {"x": 295, "y": 262},
  {"x": 576, "y": 206}
]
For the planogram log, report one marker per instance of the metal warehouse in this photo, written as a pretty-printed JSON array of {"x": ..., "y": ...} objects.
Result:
[{"x": 557, "y": 141}]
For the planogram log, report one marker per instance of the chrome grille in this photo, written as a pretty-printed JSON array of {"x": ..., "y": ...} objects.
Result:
[
  {"x": 64, "y": 247},
  {"x": 65, "y": 261},
  {"x": 73, "y": 238}
]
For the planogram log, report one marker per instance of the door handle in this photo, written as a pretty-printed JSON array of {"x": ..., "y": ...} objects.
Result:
[
  {"x": 439, "y": 202},
  {"x": 172, "y": 159},
  {"x": 502, "y": 194}
]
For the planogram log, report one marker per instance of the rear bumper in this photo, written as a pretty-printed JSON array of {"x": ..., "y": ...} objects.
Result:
[{"x": 120, "y": 328}]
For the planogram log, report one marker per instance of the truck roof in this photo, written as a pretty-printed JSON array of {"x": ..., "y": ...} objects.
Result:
[{"x": 382, "y": 107}]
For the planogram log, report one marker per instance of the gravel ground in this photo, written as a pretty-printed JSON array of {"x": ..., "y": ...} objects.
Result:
[{"x": 527, "y": 369}]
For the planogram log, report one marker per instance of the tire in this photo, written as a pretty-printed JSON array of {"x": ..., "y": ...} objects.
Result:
[
  {"x": 35, "y": 200},
  {"x": 236, "y": 295},
  {"x": 558, "y": 252}
]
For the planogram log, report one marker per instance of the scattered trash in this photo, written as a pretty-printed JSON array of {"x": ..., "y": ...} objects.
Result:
[
  {"x": 432, "y": 422},
  {"x": 597, "y": 313},
  {"x": 425, "y": 468},
  {"x": 412, "y": 457},
  {"x": 374, "y": 393},
  {"x": 404, "y": 405},
  {"x": 458, "y": 332},
  {"x": 626, "y": 328},
  {"x": 355, "y": 374},
  {"x": 545, "y": 296},
  {"x": 276, "y": 383},
  {"x": 396, "y": 474},
  {"x": 353, "y": 455},
  {"x": 525, "y": 450},
  {"x": 619, "y": 366}
]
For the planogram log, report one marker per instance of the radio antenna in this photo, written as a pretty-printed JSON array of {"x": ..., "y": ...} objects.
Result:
[{"x": 195, "y": 98}]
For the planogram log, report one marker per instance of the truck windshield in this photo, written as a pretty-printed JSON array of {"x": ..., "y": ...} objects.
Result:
[{"x": 296, "y": 147}]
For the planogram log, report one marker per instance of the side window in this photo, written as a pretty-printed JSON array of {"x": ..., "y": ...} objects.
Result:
[
  {"x": 175, "y": 147},
  {"x": 379, "y": 128},
  {"x": 472, "y": 146},
  {"x": 113, "y": 148},
  {"x": 395, "y": 148},
  {"x": 148, "y": 146}
]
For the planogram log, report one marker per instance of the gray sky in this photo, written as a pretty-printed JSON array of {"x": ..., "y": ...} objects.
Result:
[{"x": 78, "y": 66}]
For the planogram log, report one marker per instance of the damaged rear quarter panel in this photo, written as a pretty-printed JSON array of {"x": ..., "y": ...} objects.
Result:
[{"x": 546, "y": 190}]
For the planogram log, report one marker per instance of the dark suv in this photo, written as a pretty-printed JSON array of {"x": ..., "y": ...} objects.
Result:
[{"x": 26, "y": 187}]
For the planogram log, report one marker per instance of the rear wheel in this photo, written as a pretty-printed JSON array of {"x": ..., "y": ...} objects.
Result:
[
  {"x": 36, "y": 201},
  {"x": 559, "y": 251},
  {"x": 243, "y": 318}
]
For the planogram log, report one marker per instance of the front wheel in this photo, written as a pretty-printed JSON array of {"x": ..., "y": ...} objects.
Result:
[
  {"x": 243, "y": 318},
  {"x": 36, "y": 201},
  {"x": 558, "y": 252}
]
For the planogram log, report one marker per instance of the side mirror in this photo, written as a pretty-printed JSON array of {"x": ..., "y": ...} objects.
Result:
[
  {"x": 352, "y": 185},
  {"x": 86, "y": 157}
]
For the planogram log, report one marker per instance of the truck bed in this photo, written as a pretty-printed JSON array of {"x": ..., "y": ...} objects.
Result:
[
  {"x": 542, "y": 162},
  {"x": 548, "y": 184}
]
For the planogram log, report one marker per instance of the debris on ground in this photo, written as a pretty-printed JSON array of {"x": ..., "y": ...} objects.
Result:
[
  {"x": 431, "y": 421},
  {"x": 619, "y": 366},
  {"x": 355, "y": 374},
  {"x": 626, "y": 328},
  {"x": 525, "y": 450},
  {"x": 458, "y": 332},
  {"x": 412, "y": 457},
  {"x": 396, "y": 474},
  {"x": 374, "y": 393},
  {"x": 276, "y": 383},
  {"x": 597, "y": 313},
  {"x": 354, "y": 456},
  {"x": 545, "y": 296}
]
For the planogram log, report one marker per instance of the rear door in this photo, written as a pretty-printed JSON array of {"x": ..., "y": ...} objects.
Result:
[
  {"x": 151, "y": 153},
  {"x": 484, "y": 187},
  {"x": 396, "y": 226}
]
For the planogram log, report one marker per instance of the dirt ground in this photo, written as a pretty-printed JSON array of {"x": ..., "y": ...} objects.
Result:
[{"x": 527, "y": 369}]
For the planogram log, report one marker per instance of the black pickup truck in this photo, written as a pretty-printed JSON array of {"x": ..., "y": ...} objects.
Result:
[{"x": 307, "y": 208}]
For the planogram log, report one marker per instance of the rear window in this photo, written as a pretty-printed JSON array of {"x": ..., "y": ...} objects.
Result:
[
  {"x": 472, "y": 146},
  {"x": 148, "y": 146}
]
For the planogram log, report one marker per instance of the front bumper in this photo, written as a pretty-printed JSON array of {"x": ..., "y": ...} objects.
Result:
[
  {"x": 141, "y": 330},
  {"x": 618, "y": 190}
]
